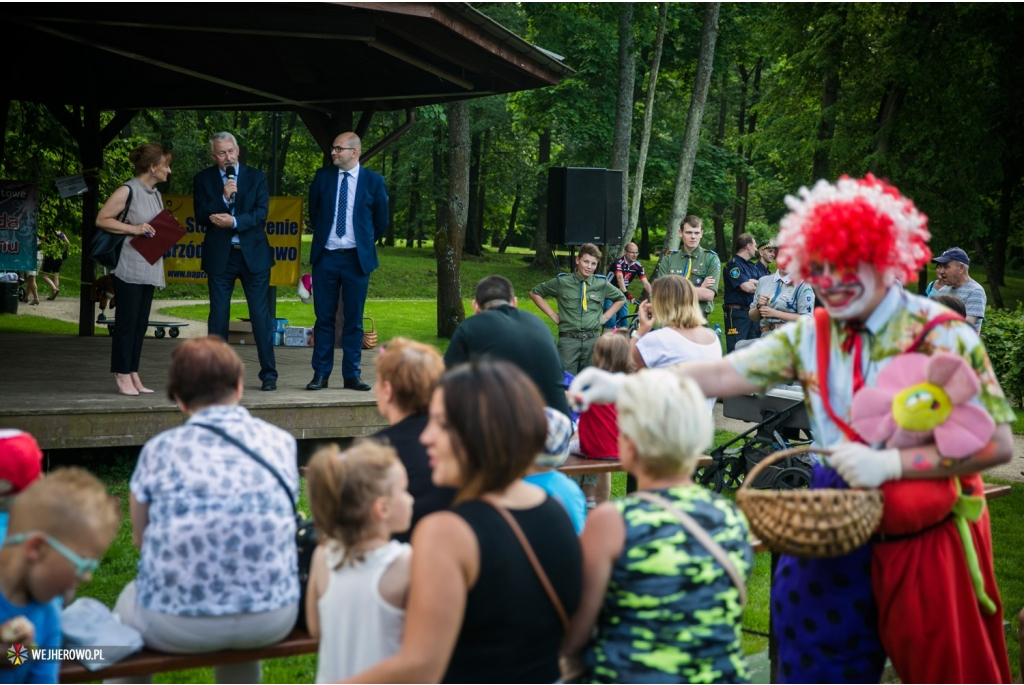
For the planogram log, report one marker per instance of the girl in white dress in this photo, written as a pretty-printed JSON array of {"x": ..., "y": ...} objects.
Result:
[{"x": 359, "y": 577}]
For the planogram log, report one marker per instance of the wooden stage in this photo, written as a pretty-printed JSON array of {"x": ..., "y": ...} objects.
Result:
[{"x": 60, "y": 389}]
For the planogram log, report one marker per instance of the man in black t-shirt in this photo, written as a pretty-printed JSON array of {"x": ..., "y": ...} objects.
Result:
[{"x": 500, "y": 330}]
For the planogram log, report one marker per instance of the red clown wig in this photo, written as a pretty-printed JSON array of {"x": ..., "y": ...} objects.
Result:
[{"x": 852, "y": 222}]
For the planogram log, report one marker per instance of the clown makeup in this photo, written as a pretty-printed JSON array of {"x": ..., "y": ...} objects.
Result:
[{"x": 847, "y": 294}]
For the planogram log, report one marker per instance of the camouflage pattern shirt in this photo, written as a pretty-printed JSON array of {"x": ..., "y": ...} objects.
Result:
[{"x": 671, "y": 613}]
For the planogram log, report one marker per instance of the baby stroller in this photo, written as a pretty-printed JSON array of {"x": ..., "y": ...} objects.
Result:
[{"x": 781, "y": 423}]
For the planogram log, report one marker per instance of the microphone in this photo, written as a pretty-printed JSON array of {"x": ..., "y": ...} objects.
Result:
[{"x": 230, "y": 173}]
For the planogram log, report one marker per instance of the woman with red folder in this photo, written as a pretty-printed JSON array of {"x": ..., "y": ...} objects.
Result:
[{"x": 128, "y": 212}]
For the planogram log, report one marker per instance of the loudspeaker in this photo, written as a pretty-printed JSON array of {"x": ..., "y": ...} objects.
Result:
[
  {"x": 584, "y": 206},
  {"x": 613, "y": 227}
]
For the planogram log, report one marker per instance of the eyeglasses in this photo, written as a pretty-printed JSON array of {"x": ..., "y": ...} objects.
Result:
[
  {"x": 83, "y": 567},
  {"x": 338, "y": 148}
]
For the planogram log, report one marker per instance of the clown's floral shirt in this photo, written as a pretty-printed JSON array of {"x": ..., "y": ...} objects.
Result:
[{"x": 789, "y": 355}]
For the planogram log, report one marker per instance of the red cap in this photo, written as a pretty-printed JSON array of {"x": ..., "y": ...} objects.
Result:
[{"x": 21, "y": 461}]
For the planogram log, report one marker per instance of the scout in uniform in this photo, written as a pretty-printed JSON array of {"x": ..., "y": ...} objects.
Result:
[
  {"x": 699, "y": 266},
  {"x": 580, "y": 297},
  {"x": 767, "y": 250},
  {"x": 780, "y": 297},
  {"x": 741, "y": 276}
]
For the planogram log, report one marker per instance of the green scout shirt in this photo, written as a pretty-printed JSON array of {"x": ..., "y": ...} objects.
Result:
[
  {"x": 694, "y": 267},
  {"x": 569, "y": 290}
]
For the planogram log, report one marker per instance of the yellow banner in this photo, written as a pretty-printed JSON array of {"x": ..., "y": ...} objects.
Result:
[{"x": 284, "y": 231}]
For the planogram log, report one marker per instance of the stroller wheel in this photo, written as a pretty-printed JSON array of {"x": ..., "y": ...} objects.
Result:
[
  {"x": 792, "y": 478},
  {"x": 709, "y": 477},
  {"x": 732, "y": 472}
]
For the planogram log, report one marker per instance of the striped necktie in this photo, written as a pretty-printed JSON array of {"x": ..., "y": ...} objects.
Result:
[{"x": 339, "y": 229}]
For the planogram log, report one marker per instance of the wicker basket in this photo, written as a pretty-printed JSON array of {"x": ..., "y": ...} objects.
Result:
[
  {"x": 809, "y": 523},
  {"x": 369, "y": 336}
]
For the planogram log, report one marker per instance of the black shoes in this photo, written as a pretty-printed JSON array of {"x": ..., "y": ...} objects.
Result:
[
  {"x": 356, "y": 384},
  {"x": 270, "y": 384},
  {"x": 318, "y": 383}
]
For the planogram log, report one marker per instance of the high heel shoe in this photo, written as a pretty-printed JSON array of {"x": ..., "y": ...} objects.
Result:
[
  {"x": 124, "y": 384},
  {"x": 137, "y": 382}
]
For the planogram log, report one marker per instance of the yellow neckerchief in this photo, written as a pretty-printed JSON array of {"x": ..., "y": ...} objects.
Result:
[{"x": 689, "y": 261}]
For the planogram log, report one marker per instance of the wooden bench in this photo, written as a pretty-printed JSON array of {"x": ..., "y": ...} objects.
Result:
[
  {"x": 147, "y": 662},
  {"x": 577, "y": 465}
]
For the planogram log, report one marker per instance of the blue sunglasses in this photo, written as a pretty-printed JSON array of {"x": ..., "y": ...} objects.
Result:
[{"x": 83, "y": 567}]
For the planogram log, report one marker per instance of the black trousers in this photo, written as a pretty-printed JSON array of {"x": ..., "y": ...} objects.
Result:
[{"x": 133, "y": 304}]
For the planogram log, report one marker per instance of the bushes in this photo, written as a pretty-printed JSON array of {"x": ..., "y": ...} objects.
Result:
[{"x": 1003, "y": 335}]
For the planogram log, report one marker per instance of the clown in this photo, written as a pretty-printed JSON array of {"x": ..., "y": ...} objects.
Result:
[{"x": 923, "y": 591}]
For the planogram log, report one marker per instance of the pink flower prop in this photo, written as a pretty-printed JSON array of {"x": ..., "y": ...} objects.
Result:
[{"x": 920, "y": 399}]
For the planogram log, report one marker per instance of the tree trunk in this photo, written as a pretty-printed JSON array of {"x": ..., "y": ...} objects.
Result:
[
  {"x": 888, "y": 109},
  {"x": 684, "y": 176},
  {"x": 747, "y": 124},
  {"x": 414, "y": 206},
  {"x": 5, "y": 108},
  {"x": 473, "y": 245},
  {"x": 645, "y": 134},
  {"x": 448, "y": 240},
  {"x": 623, "y": 113},
  {"x": 543, "y": 258},
  {"x": 719, "y": 138},
  {"x": 439, "y": 186},
  {"x": 645, "y": 235},
  {"x": 511, "y": 220},
  {"x": 481, "y": 195},
  {"x": 829, "y": 97},
  {"x": 993, "y": 285},
  {"x": 286, "y": 141},
  {"x": 1011, "y": 177},
  {"x": 389, "y": 235}
]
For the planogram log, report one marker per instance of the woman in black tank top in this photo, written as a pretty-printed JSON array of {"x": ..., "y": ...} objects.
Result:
[{"x": 477, "y": 609}]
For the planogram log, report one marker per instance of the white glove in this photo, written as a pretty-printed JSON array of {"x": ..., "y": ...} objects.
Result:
[
  {"x": 864, "y": 467},
  {"x": 594, "y": 386}
]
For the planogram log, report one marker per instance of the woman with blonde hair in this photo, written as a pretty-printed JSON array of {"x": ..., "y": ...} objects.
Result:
[
  {"x": 407, "y": 373},
  {"x": 647, "y": 573},
  {"x": 682, "y": 334}
]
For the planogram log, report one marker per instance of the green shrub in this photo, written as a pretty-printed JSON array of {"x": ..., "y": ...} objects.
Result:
[{"x": 1003, "y": 335}]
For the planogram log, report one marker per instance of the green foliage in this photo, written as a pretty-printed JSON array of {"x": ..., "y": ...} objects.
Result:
[{"x": 1003, "y": 335}]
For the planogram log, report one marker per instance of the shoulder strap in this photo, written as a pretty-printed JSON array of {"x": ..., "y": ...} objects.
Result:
[
  {"x": 123, "y": 218},
  {"x": 823, "y": 331},
  {"x": 257, "y": 458},
  {"x": 537, "y": 568},
  {"x": 701, "y": 536}
]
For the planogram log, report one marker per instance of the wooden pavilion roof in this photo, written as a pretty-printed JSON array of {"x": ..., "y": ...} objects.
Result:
[{"x": 320, "y": 57}]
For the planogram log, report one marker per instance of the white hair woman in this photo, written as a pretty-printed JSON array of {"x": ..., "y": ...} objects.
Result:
[{"x": 637, "y": 548}]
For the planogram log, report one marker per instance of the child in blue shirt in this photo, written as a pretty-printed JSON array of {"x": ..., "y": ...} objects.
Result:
[
  {"x": 545, "y": 476},
  {"x": 58, "y": 528}
]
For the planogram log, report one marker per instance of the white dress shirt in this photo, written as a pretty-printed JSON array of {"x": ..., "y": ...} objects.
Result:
[{"x": 349, "y": 240}]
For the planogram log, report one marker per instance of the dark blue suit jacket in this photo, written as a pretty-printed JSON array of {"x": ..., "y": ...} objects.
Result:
[
  {"x": 369, "y": 218},
  {"x": 252, "y": 203}
]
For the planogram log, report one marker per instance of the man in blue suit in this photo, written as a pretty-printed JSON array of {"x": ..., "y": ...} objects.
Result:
[
  {"x": 348, "y": 206},
  {"x": 231, "y": 204}
]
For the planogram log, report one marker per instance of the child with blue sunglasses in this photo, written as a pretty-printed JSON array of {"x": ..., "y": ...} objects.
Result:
[{"x": 58, "y": 529}]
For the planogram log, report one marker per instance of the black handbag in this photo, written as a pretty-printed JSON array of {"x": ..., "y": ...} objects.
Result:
[
  {"x": 106, "y": 247},
  {"x": 305, "y": 532}
]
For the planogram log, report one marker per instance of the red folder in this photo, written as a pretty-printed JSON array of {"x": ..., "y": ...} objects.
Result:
[{"x": 168, "y": 232}]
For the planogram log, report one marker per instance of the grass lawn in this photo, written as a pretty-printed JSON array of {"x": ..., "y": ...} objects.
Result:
[{"x": 17, "y": 323}]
